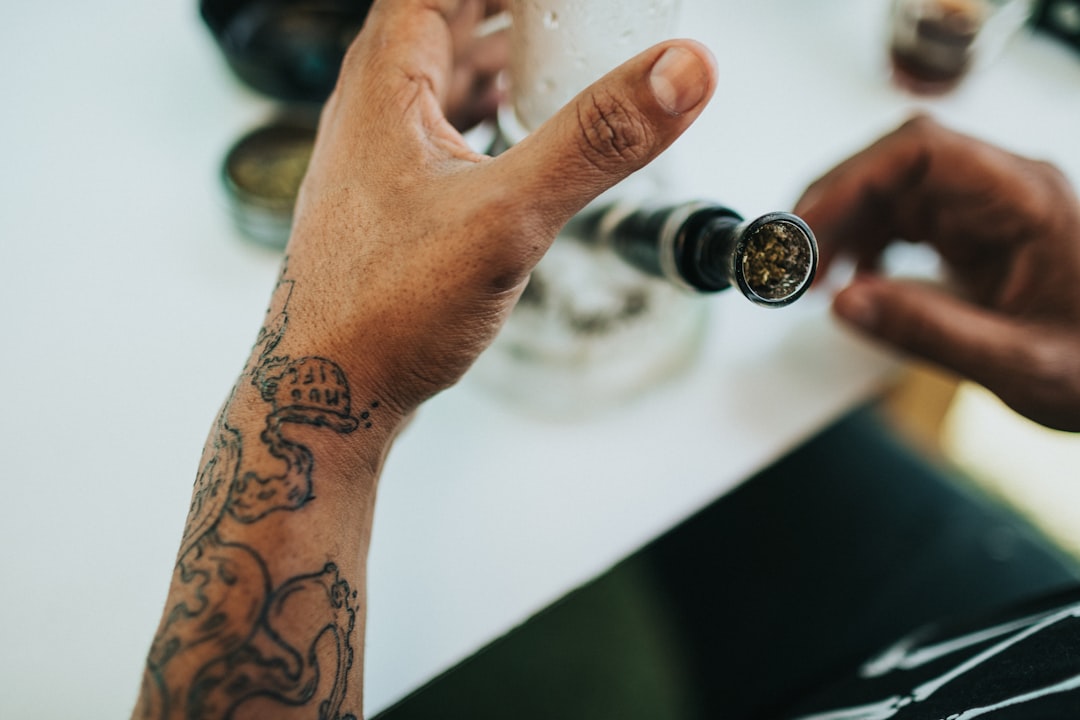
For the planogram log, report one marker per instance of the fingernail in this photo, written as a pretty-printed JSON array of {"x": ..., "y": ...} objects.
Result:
[
  {"x": 679, "y": 80},
  {"x": 857, "y": 307}
]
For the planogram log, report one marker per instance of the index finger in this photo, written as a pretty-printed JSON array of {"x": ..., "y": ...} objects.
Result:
[
  {"x": 400, "y": 65},
  {"x": 922, "y": 182},
  {"x": 850, "y": 207}
]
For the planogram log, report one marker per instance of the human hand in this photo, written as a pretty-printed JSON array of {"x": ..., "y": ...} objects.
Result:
[
  {"x": 409, "y": 249},
  {"x": 472, "y": 93},
  {"x": 1008, "y": 229},
  {"x": 407, "y": 253}
]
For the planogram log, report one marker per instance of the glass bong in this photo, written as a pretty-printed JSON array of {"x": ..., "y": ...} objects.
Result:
[{"x": 611, "y": 310}]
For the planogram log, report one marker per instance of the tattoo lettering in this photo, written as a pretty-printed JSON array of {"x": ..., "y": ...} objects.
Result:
[
  {"x": 310, "y": 391},
  {"x": 229, "y": 636}
]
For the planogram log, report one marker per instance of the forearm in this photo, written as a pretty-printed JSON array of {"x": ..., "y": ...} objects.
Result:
[
  {"x": 410, "y": 251},
  {"x": 266, "y": 606}
]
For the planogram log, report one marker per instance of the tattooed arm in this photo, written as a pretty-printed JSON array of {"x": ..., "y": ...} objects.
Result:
[{"x": 407, "y": 254}]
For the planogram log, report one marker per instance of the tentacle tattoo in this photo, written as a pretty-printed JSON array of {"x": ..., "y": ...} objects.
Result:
[{"x": 246, "y": 638}]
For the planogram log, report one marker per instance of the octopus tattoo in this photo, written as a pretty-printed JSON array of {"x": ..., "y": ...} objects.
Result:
[{"x": 246, "y": 638}]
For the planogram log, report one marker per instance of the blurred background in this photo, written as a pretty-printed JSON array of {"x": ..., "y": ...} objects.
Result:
[{"x": 131, "y": 295}]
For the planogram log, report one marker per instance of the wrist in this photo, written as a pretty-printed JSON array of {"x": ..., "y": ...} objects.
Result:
[{"x": 300, "y": 412}]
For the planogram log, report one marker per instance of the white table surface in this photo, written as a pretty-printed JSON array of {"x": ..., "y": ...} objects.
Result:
[{"x": 130, "y": 303}]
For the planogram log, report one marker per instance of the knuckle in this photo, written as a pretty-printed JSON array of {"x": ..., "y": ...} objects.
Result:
[
  {"x": 922, "y": 131},
  {"x": 1040, "y": 192},
  {"x": 1053, "y": 176},
  {"x": 612, "y": 132},
  {"x": 920, "y": 124},
  {"x": 915, "y": 144},
  {"x": 1050, "y": 382},
  {"x": 1049, "y": 363}
]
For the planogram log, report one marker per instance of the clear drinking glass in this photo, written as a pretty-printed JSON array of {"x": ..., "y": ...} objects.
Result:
[
  {"x": 934, "y": 44},
  {"x": 590, "y": 330}
]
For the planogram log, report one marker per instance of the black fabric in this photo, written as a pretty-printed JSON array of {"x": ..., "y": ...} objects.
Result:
[
  {"x": 1019, "y": 665},
  {"x": 763, "y": 598}
]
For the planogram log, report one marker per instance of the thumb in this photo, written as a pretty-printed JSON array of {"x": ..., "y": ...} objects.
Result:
[
  {"x": 612, "y": 128},
  {"x": 930, "y": 323}
]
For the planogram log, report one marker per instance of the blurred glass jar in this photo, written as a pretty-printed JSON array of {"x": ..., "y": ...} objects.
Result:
[
  {"x": 262, "y": 173},
  {"x": 287, "y": 49},
  {"x": 590, "y": 330},
  {"x": 934, "y": 44}
]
